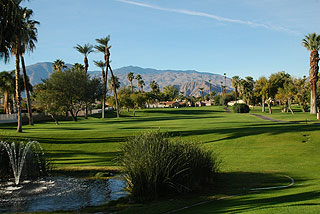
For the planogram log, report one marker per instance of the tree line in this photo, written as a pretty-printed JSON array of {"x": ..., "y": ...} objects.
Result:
[{"x": 18, "y": 34}]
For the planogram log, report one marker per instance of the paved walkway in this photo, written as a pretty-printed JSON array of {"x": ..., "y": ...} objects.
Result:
[{"x": 271, "y": 119}]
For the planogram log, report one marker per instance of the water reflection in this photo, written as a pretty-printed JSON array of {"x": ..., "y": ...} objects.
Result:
[{"x": 59, "y": 193}]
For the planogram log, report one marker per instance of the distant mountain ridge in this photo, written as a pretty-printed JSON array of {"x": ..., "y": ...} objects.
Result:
[{"x": 188, "y": 82}]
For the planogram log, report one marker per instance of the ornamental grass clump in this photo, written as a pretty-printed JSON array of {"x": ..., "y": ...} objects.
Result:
[{"x": 155, "y": 166}]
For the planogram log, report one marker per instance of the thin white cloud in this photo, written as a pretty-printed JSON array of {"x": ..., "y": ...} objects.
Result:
[{"x": 208, "y": 15}]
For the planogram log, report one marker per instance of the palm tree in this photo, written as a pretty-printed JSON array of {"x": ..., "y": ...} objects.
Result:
[
  {"x": 29, "y": 37},
  {"x": 7, "y": 89},
  {"x": 105, "y": 48},
  {"x": 235, "y": 84},
  {"x": 102, "y": 65},
  {"x": 85, "y": 50},
  {"x": 141, "y": 84},
  {"x": 138, "y": 78},
  {"x": 312, "y": 43},
  {"x": 201, "y": 91},
  {"x": 210, "y": 95},
  {"x": 114, "y": 83},
  {"x": 58, "y": 65},
  {"x": 130, "y": 78},
  {"x": 154, "y": 87},
  {"x": 9, "y": 24},
  {"x": 221, "y": 84}
]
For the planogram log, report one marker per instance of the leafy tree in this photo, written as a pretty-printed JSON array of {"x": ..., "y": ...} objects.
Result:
[
  {"x": 286, "y": 94},
  {"x": 262, "y": 90},
  {"x": 170, "y": 92},
  {"x": 68, "y": 91},
  {"x": 138, "y": 101},
  {"x": 302, "y": 89},
  {"x": 312, "y": 43},
  {"x": 85, "y": 50}
]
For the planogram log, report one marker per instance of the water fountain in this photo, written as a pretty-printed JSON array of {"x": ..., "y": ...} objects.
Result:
[
  {"x": 29, "y": 191},
  {"x": 17, "y": 155}
]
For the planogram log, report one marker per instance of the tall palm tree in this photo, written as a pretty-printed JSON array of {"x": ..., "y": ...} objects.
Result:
[
  {"x": 85, "y": 50},
  {"x": 201, "y": 91},
  {"x": 210, "y": 95},
  {"x": 28, "y": 39},
  {"x": 102, "y": 65},
  {"x": 141, "y": 84},
  {"x": 7, "y": 89},
  {"x": 58, "y": 65},
  {"x": 138, "y": 78},
  {"x": 221, "y": 84},
  {"x": 312, "y": 43},
  {"x": 235, "y": 84},
  {"x": 10, "y": 20},
  {"x": 130, "y": 78},
  {"x": 114, "y": 83},
  {"x": 105, "y": 48},
  {"x": 154, "y": 87}
]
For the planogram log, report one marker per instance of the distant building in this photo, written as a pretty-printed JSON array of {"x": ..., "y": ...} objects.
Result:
[{"x": 231, "y": 103}]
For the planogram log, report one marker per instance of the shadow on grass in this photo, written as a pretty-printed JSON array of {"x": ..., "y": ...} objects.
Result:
[
  {"x": 80, "y": 140},
  {"x": 67, "y": 157},
  {"x": 249, "y": 130}
]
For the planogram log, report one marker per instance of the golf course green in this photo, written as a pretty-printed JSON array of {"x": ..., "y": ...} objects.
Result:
[{"x": 255, "y": 153}]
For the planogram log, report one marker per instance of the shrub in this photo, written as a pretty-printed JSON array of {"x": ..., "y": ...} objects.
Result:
[
  {"x": 154, "y": 166},
  {"x": 241, "y": 108}
]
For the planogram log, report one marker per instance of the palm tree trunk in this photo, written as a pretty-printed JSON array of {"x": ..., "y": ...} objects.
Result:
[
  {"x": 5, "y": 104},
  {"x": 313, "y": 97},
  {"x": 103, "y": 103},
  {"x": 313, "y": 72},
  {"x": 86, "y": 65},
  {"x": 114, "y": 91},
  {"x": 269, "y": 107},
  {"x": 29, "y": 107},
  {"x": 263, "y": 106},
  {"x": 18, "y": 95},
  {"x": 236, "y": 94}
]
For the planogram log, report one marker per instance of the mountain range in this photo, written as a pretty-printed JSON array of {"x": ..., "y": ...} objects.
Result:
[{"x": 187, "y": 82}]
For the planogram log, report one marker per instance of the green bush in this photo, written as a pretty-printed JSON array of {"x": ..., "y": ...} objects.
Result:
[
  {"x": 154, "y": 166},
  {"x": 241, "y": 108}
]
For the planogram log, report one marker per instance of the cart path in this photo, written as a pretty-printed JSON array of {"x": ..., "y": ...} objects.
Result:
[{"x": 271, "y": 119}]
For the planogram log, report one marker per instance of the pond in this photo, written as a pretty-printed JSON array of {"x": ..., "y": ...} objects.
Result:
[{"x": 59, "y": 193}]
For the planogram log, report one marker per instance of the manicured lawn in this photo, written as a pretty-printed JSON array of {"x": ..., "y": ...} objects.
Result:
[{"x": 254, "y": 153}]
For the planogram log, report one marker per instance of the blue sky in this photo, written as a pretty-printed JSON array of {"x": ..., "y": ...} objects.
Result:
[{"x": 237, "y": 37}]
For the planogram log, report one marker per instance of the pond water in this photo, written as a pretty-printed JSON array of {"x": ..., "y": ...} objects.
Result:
[{"x": 59, "y": 193}]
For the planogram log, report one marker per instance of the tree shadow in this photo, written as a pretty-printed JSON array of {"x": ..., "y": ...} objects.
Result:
[
  {"x": 67, "y": 157},
  {"x": 249, "y": 130}
]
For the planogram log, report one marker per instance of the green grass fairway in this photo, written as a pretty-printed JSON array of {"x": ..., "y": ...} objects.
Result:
[{"x": 254, "y": 153}]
